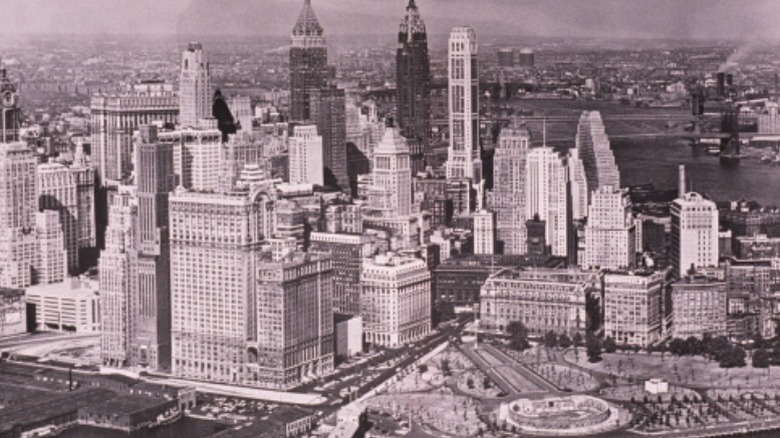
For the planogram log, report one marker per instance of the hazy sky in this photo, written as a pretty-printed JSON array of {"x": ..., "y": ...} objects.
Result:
[{"x": 743, "y": 19}]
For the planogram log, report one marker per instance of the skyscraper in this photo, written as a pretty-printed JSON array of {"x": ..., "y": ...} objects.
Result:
[
  {"x": 610, "y": 235},
  {"x": 50, "y": 265},
  {"x": 151, "y": 341},
  {"x": 594, "y": 151},
  {"x": 463, "y": 156},
  {"x": 509, "y": 189},
  {"x": 18, "y": 204},
  {"x": 694, "y": 233},
  {"x": 114, "y": 118},
  {"x": 633, "y": 307},
  {"x": 308, "y": 62},
  {"x": 392, "y": 175},
  {"x": 117, "y": 277},
  {"x": 579, "y": 185},
  {"x": 305, "y": 152},
  {"x": 9, "y": 104},
  {"x": 196, "y": 157},
  {"x": 328, "y": 109},
  {"x": 194, "y": 86},
  {"x": 58, "y": 190},
  {"x": 484, "y": 232},
  {"x": 413, "y": 85},
  {"x": 547, "y": 196}
]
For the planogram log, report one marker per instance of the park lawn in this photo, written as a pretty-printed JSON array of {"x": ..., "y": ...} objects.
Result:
[{"x": 688, "y": 370}]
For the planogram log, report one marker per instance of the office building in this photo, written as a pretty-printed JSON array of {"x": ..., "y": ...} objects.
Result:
[
  {"x": 594, "y": 150},
  {"x": 294, "y": 335},
  {"x": 463, "y": 155},
  {"x": 347, "y": 252},
  {"x": 484, "y": 232},
  {"x": 115, "y": 118},
  {"x": 71, "y": 306},
  {"x": 241, "y": 106},
  {"x": 13, "y": 312},
  {"x": 413, "y": 81},
  {"x": 308, "y": 62},
  {"x": 117, "y": 278},
  {"x": 509, "y": 188},
  {"x": 306, "y": 156},
  {"x": 58, "y": 190},
  {"x": 542, "y": 299},
  {"x": 579, "y": 186},
  {"x": 18, "y": 204},
  {"x": 694, "y": 237},
  {"x": 547, "y": 196},
  {"x": 11, "y": 110},
  {"x": 51, "y": 261},
  {"x": 392, "y": 176},
  {"x": 212, "y": 281},
  {"x": 395, "y": 300},
  {"x": 151, "y": 302},
  {"x": 700, "y": 306},
  {"x": 633, "y": 307},
  {"x": 610, "y": 234},
  {"x": 349, "y": 336},
  {"x": 197, "y": 157},
  {"x": 194, "y": 86},
  {"x": 328, "y": 110}
]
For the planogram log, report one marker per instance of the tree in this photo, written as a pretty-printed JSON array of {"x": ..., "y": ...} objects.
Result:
[
  {"x": 594, "y": 347},
  {"x": 609, "y": 345},
  {"x": 445, "y": 367},
  {"x": 519, "y": 336},
  {"x": 422, "y": 368},
  {"x": 550, "y": 339},
  {"x": 759, "y": 342},
  {"x": 577, "y": 339},
  {"x": 761, "y": 359},
  {"x": 732, "y": 357},
  {"x": 564, "y": 341}
]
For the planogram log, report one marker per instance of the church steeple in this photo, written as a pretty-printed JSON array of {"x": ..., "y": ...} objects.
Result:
[
  {"x": 307, "y": 24},
  {"x": 412, "y": 23}
]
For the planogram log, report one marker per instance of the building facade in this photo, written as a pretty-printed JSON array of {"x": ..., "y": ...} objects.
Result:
[
  {"x": 610, "y": 234},
  {"x": 509, "y": 188},
  {"x": 392, "y": 176},
  {"x": 73, "y": 306},
  {"x": 700, "y": 306},
  {"x": 327, "y": 107},
  {"x": 694, "y": 237},
  {"x": 542, "y": 299},
  {"x": 18, "y": 204},
  {"x": 547, "y": 196},
  {"x": 306, "y": 156},
  {"x": 308, "y": 62},
  {"x": 413, "y": 78},
  {"x": 194, "y": 86},
  {"x": 395, "y": 300},
  {"x": 633, "y": 307},
  {"x": 151, "y": 300},
  {"x": 463, "y": 155},
  {"x": 594, "y": 150}
]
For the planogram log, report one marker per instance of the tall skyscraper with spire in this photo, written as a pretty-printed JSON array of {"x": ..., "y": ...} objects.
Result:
[
  {"x": 308, "y": 62},
  {"x": 509, "y": 189},
  {"x": 463, "y": 156},
  {"x": 595, "y": 153},
  {"x": 413, "y": 82},
  {"x": 194, "y": 86}
]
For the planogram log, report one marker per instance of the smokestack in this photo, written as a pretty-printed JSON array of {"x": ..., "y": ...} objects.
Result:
[{"x": 681, "y": 181}]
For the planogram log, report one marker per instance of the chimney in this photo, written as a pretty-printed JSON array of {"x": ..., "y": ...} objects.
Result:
[{"x": 681, "y": 181}]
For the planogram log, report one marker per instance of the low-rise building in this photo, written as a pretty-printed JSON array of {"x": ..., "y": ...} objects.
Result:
[
  {"x": 542, "y": 299},
  {"x": 73, "y": 305},
  {"x": 13, "y": 315},
  {"x": 700, "y": 307}
]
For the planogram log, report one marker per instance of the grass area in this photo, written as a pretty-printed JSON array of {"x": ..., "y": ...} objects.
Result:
[{"x": 689, "y": 371}]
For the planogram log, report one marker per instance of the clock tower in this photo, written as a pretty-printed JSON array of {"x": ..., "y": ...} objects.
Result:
[{"x": 11, "y": 111}]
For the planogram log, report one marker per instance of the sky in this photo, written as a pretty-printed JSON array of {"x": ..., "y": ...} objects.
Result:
[{"x": 677, "y": 19}]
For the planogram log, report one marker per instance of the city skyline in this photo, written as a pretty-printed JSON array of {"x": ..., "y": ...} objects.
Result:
[{"x": 657, "y": 19}]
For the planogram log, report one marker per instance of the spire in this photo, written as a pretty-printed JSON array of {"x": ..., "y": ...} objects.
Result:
[
  {"x": 412, "y": 23},
  {"x": 307, "y": 24},
  {"x": 411, "y": 5}
]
